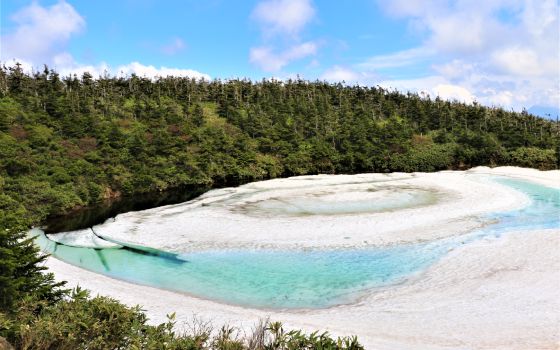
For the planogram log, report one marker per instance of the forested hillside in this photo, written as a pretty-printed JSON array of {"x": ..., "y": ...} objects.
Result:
[{"x": 70, "y": 141}]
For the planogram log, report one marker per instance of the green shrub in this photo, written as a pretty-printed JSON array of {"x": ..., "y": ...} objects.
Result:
[
  {"x": 428, "y": 158},
  {"x": 534, "y": 157},
  {"x": 81, "y": 322}
]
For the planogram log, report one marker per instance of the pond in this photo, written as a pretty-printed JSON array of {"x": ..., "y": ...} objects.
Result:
[{"x": 300, "y": 279}]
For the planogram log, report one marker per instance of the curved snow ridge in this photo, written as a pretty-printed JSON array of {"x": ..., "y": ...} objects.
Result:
[
  {"x": 321, "y": 212},
  {"x": 549, "y": 178},
  {"x": 82, "y": 239}
]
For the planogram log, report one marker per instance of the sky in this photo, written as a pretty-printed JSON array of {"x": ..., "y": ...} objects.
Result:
[{"x": 496, "y": 52}]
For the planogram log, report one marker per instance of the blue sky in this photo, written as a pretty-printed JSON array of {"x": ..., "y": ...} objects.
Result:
[{"x": 496, "y": 52}]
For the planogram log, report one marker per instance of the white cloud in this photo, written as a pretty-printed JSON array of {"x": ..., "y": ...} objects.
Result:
[
  {"x": 478, "y": 52},
  {"x": 524, "y": 62},
  {"x": 153, "y": 72},
  {"x": 97, "y": 70},
  {"x": 283, "y": 16},
  {"x": 458, "y": 34},
  {"x": 175, "y": 46},
  {"x": 491, "y": 90},
  {"x": 432, "y": 86},
  {"x": 266, "y": 59},
  {"x": 420, "y": 85},
  {"x": 402, "y": 8},
  {"x": 65, "y": 66},
  {"x": 454, "y": 26},
  {"x": 41, "y": 37},
  {"x": 282, "y": 20},
  {"x": 453, "y": 92},
  {"x": 396, "y": 59},
  {"x": 41, "y": 32},
  {"x": 269, "y": 60},
  {"x": 339, "y": 74},
  {"x": 455, "y": 69},
  {"x": 502, "y": 98},
  {"x": 539, "y": 17},
  {"x": 26, "y": 66}
]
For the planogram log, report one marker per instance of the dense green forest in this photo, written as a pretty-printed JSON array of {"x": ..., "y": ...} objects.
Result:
[{"x": 68, "y": 142}]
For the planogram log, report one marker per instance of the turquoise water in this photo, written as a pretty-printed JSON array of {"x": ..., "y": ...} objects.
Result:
[{"x": 299, "y": 279}]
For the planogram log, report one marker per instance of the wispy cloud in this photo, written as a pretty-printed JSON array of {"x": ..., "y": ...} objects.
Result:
[
  {"x": 283, "y": 20},
  {"x": 397, "y": 59},
  {"x": 283, "y": 16},
  {"x": 269, "y": 60},
  {"x": 65, "y": 66},
  {"x": 349, "y": 75},
  {"x": 41, "y": 32},
  {"x": 150, "y": 71},
  {"x": 478, "y": 54},
  {"x": 175, "y": 46}
]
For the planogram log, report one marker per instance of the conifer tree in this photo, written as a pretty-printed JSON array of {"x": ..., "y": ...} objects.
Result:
[{"x": 21, "y": 264}]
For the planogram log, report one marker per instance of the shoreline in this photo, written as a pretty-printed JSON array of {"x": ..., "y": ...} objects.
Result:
[
  {"x": 493, "y": 293},
  {"x": 216, "y": 221},
  {"x": 549, "y": 178},
  {"x": 532, "y": 174}
]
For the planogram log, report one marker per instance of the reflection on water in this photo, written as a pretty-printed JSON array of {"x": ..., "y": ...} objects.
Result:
[
  {"x": 297, "y": 279},
  {"x": 97, "y": 214}
]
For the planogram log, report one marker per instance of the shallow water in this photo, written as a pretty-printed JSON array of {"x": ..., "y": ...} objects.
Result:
[
  {"x": 299, "y": 279},
  {"x": 98, "y": 213}
]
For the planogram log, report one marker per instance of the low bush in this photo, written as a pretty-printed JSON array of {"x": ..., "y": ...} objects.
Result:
[{"x": 82, "y": 322}]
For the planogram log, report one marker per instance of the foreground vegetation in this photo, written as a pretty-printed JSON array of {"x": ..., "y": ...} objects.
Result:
[
  {"x": 69, "y": 142},
  {"x": 81, "y": 322}
]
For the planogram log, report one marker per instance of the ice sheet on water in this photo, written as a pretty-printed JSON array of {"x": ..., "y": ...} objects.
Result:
[
  {"x": 319, "y": 211},
  {"x": 82, "y": 238}
]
